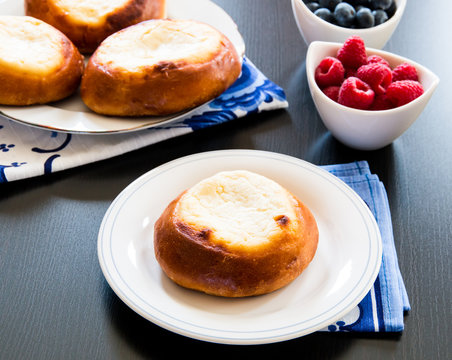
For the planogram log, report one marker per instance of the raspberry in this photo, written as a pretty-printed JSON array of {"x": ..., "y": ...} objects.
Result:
[
  {"x": 381, "y": 102},
  {"x": 329, "y": 72},
  {"x": 404, "y": 71},
  {"x": 376, "y": 59},
  {"x": 332, "y": 92},
  {"x": 350, "y": 72},
  {"x": 403, "y": 91},
  {"x": 377, "y": 76},
  {"x": 356, "y": 93},
  {"x": 352, "y": 54}
]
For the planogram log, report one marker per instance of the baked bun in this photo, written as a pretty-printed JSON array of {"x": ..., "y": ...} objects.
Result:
[
  {"x": 88, "y": 22},
  {"x": 38, "y": 63},
  {"x": 159, "y": 67},
  {"x": 235, "y": 234}
]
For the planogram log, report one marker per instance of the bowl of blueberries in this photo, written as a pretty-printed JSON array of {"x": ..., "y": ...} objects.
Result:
[{"x": 336, "y": 20}]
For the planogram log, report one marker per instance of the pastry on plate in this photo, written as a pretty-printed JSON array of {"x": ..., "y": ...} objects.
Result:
[
  {"x": 159, "y": 67},
  {"x": 88, "y": 22},
  {"x": 235, "y": 234},
  {"x": 38, "y": 63}
]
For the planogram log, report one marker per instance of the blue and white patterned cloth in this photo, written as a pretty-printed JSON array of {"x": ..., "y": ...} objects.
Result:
[
  {"x": 383, "y": 308},
  {"x": 27, "y": 152}
]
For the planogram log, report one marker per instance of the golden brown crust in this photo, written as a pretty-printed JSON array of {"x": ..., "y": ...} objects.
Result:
[
  {"x": 160, "y": 89},
  {"x": 191, "y": 260},
  {"x": 87, "y": 37},
  {"x": 22, "y": 89}
]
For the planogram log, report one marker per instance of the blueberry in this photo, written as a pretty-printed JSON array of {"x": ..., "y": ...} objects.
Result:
[
  {"x": 364, "y": 18},
  {"x": 324, "y": 14},
  {"x": 356, "y": 3},
  {"x": 392, "y": 9},
  {"x": 359, "y": 7},
  {"x": 380, "y": 16},
  {"x": 381, "y": 4},
  {"x": 313, "y": 6},
  {"x": 329, "y": 4},
  {"x": 345, "y": 14}
]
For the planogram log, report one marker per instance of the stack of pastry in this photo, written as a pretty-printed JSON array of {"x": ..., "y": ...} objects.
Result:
[{"x": 143, "y": 64}]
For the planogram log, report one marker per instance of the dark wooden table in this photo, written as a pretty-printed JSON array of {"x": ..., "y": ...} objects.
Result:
[{"x": 56, "y": 304}]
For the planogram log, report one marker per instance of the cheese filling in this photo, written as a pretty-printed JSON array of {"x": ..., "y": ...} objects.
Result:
[
  {"x": 89, "y": 11},
  {"x": 242, "y": 208},
  {"x": 29, "y": 46},
  {"x": 157, "y": 41}
]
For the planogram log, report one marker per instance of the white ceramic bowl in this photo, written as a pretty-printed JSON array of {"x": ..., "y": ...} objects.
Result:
[
  {"x": 312, "y": 28},
  {"x": 366, "y": 129}
]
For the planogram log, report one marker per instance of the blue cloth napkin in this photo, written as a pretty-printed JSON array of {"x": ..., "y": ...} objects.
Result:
[
  {"x": 383, "y": 308},
  {"x": 27, "y": 152}
]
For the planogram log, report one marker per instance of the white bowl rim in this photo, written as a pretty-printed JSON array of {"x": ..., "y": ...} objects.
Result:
[
  {"x": 324, "y": 44},
  {"x": 394, "y": 18}
]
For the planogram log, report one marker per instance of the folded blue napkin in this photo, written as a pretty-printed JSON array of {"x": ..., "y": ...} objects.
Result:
[
  {"x": 383, "y": 308},
  {"x": 27, "y": 152}
]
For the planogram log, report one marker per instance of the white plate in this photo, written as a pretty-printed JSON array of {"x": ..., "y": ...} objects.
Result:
[
  {"x": 71, "y": 114},
  {"x": 342, "y": 272}
]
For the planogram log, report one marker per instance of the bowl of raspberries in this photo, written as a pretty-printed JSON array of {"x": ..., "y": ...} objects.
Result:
[
  {"x": 336, "y": 20},
  {"x": 366, "y": 97}
]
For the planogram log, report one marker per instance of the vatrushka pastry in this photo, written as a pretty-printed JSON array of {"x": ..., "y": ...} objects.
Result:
[
  {"x": 159, "y": 67},
  {"x": 235, "y": 234},
  {"x": 88, "y": 22},
  {"x": 38, "y": 63}
]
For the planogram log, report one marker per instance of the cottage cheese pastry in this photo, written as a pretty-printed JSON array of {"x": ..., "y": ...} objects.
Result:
[
  {"x": 235, "y": 234},
  {"x": 159, "y": 67},
  {"x": 88, "y": 22},
  {"x": 38, "y": 63}
]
